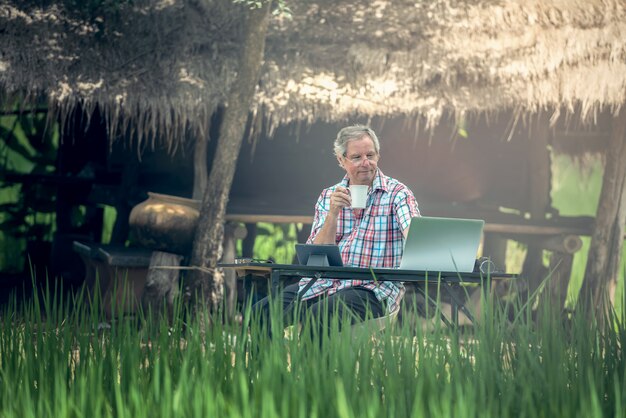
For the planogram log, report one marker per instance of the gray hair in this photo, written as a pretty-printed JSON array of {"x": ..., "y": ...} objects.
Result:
[{"x": 353, "y": 133}]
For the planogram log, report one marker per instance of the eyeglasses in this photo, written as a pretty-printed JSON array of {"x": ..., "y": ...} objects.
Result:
[{"x": 360, "y": 159}]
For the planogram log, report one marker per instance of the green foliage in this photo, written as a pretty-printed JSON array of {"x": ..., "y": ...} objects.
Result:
[
  {"x": 276, "y": 242},
  {"x": 110, "y": 214},
  {"x": 57, "y": 359},
  {"x": 27, "y": 146},
  {"x": 576, "y": 190}
]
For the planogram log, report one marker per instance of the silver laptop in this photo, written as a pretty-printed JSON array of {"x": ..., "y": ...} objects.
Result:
[{"x": 442, "y": 244}]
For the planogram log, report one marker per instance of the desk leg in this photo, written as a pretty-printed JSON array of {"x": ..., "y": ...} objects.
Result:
[
  {"x": 434, "y": 302},
  {"x": 275, "y": 277},
  {"x": 298, "y": 298},
  {"x": 247, "y": 289},
  {"x": 456, "y": 304},
  {"x": 308, "y": 286},
  {"x": 454, "y": 312}
]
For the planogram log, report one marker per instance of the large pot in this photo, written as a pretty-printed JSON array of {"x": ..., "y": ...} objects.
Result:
[{"x": 165, "y": 223}]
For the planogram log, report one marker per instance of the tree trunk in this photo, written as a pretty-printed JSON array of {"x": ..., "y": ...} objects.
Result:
[
  {"x": 200, "y": 176},
  {"x": 608, "y": 234},
  {"x": 204, "y": 283}
]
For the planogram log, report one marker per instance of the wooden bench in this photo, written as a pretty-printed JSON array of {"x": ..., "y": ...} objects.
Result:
[{"x": 117, "y": 273}]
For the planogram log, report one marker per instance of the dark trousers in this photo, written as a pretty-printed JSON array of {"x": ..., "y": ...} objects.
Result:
[{"x": 354, "y": 303}]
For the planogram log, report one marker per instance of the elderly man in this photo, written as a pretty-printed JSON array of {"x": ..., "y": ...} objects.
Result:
[{"x": 370, "y": 237}]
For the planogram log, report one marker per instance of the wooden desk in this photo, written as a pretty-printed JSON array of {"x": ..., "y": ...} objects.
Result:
[{"x": 276, "y": 273}]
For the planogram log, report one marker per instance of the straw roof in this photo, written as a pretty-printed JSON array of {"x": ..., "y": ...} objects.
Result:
[{"x": 165, "y": 65}]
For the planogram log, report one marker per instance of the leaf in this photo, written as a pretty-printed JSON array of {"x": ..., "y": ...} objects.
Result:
[
  {"x": 13, "y": 143},
  {"x": 12, "y": 224},
  {"x": 11, "y": 207},
  {"x": 263, "y": 231}
]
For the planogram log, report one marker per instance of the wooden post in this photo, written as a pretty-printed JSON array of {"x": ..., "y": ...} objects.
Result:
[
  {"x": 563, "y": 248},
  {"x": 561, "y": 271},
  {"x": 608, "y": 234},
  {"x": 161, "y": 287},
  {"x": 539, "y": 193},
  {"x": 232, "y": 232},
  {"x": 124, "y": 197},
  {"x": 494, "y": 247},
  {"x": 247, "y": 246}
]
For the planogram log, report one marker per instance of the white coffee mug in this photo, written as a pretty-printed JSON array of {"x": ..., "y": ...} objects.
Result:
[{"x": 358, "y": 195}]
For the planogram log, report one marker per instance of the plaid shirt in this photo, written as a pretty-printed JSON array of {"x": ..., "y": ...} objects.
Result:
[{"x": 369, "y": 238}]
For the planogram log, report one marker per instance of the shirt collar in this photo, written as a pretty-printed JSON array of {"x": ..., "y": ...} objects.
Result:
[{"x": 380, "y": 181}]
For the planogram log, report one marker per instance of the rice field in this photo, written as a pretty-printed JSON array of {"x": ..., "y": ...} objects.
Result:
[{"x": 59, "y": 357}]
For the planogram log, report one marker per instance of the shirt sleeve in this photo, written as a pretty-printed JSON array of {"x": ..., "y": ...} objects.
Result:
[
  {"x": 405, "y": 208},
  {"x": 321, "y": 210}
]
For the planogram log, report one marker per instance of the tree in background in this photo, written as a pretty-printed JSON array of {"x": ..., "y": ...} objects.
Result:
[
  {"x": 602, "y": 271},
  {"x": 205, "y": 283}
]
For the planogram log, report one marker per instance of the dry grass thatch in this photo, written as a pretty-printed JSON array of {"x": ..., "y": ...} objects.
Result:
[{"x": 165, "y": 65}]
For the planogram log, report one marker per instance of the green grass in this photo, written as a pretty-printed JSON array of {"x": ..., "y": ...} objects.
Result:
[{"x": 55, "y": 360}]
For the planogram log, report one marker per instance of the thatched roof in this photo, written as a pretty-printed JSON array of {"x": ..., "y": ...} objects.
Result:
[{"x": 166, "y": 65}]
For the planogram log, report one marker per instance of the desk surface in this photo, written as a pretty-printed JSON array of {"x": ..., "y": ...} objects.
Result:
[{"x": 346, "y": 273}]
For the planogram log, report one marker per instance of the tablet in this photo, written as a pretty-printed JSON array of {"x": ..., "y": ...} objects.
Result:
[{"x": 319, "y": 255}]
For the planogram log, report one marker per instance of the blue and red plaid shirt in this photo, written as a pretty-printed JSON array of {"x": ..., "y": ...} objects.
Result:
[{"x": 371, "y": 237}]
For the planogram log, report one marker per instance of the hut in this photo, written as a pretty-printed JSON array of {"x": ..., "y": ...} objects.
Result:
[{"x": 152, "y": 74}]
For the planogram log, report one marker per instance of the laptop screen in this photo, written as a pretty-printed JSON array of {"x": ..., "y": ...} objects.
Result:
[{"x": 442, "y": 244}]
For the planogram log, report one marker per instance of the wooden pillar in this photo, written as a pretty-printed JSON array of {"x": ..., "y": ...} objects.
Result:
[
  {"x": 232, "y": 232},
  {"x": 247, "y": 246},
  {"x": 561, "y": 271},
  {"x": 563, "y": 248},
  {"x": 494, "y": 247},
  {"x": 161, "y": 288},
  {"x": 303, "y": 233},
  {"x": 607, "y": 238},
  {"x": 124, "y": 199},
  {"x": 539, "y": 194}
]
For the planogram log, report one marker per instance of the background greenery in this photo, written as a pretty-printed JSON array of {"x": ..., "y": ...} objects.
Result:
[{"x": 26, "y": 209}]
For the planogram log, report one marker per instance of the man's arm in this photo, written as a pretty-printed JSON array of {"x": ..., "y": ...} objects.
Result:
[
  {"x": 406, "y": 208},
  {"x": 328, "y": 232},
  {"x": 339, "y": 199}
]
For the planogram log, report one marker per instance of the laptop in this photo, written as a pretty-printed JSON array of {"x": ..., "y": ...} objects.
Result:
[{"x": 442, "y": 244}]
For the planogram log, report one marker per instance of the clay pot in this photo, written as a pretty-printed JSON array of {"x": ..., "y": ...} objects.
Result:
[{"x": 165, "y": 223}]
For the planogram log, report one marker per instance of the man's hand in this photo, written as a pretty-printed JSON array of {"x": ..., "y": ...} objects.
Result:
[{"x": 339, "y": 199}]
